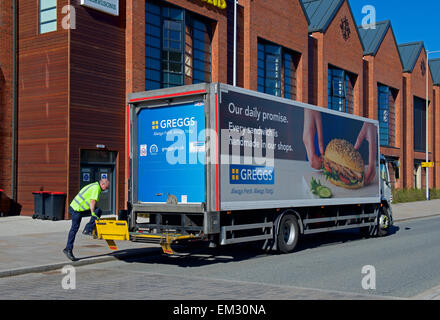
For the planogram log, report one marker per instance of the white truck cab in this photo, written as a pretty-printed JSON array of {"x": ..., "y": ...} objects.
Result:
[
  {"x": 386, "y": 219},
  {"x": 385, "y": 180}
]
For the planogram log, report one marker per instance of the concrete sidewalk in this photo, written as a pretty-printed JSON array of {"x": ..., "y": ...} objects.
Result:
[
  {"x": 28, "y": 245},
  {"x": 416, "y": 210},
  {"x": 34, "y": 245}
]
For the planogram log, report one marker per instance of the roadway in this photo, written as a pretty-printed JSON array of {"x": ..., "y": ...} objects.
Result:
[{"x": 406, "y": 265}]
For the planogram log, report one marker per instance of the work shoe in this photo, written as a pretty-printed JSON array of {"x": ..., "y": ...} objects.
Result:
[
  {"x": 87, "y": 233},
  {"x": 69, "y": 254}
]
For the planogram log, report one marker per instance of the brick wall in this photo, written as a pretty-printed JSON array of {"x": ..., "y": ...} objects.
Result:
[
  {"x": 135, "y": 40},
  {"x": 284, "y": 24},
  {"x": 43, "y": 101},
  {"x": 240, "y": 44},
  {"x": 135, "y": 46},
  {"x": 219, "y": 44},
  {"x": 385, "y": 68},
  {"x": 415, "y": 86},
  {"x": 347, "y": 54}
]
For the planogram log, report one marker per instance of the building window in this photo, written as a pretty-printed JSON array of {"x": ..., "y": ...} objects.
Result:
[
  {"x": 276, "y": 70},
  {"x": 340, "y": 90},
  {"x": 419, "y": 124},
  {"x": 198, "y": 51},
  {"x": 386, "y": 114},
  {"x": 178, "y": 47},
  {"x": 418, "y": 181},
  {"x": 288, "y": 80},
  {"x": 48, "y": 16}
]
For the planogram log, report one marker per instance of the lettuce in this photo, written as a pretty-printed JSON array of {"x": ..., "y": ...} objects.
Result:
[{"x": 333, "y": 175}]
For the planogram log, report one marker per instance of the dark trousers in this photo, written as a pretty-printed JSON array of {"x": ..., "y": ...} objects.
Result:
[{"x": 76, "y": 222}]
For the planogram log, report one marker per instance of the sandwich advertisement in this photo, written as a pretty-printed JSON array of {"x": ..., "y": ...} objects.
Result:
[{"x": 291, "y": 154}]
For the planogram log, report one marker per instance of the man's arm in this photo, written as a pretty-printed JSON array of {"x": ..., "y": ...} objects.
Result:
[{"x": 92, "y": 208}]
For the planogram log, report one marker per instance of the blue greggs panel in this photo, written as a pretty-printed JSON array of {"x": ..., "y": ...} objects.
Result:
[{"x": 171, "y": 153}]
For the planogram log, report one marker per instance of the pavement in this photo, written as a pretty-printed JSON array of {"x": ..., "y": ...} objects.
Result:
[{"x": 32, "y": 245}]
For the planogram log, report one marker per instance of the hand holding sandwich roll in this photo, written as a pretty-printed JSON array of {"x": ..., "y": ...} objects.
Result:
[
  {"x": 343, "y": 165},
  {"x": 312, "y": 125},
  {"x": 369, "y": 133}
]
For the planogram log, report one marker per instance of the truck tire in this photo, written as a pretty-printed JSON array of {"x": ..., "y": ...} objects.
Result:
[
  {"x": 381, "y": 228},
  {"x": 288, "y": 234},
  {"x": 383, "y": 223}
]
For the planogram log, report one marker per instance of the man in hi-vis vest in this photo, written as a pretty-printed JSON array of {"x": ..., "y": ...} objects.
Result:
[{"x": 84, "y": 203}]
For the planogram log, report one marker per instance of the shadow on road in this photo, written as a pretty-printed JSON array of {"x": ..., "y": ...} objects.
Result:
[
  {"x": 335, "y": 237},
  {"x": 196, "y": 255},
  {"x": 199, "y": 254}
]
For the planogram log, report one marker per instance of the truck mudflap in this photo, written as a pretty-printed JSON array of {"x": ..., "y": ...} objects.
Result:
[{"x": 112, "y": 230}]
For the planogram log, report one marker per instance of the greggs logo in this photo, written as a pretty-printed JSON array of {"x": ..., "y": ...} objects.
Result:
[
  {"x": 173, "y": 123},
  {"x": 217, "y": 3},
  {"x": 245, "y": 174}
]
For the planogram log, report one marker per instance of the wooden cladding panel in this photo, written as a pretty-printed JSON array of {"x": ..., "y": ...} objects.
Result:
[
  {"x": 43, "y": 106},
  {"x": 29, "y": 36},
  {"x": 97, "y": 82}
]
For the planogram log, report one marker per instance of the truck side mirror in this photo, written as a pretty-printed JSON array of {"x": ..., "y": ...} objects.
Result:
[{"x": 397, "y": 173}]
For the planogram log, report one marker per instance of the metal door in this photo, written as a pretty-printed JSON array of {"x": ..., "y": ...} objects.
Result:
[{"x": 93, "y": 173}]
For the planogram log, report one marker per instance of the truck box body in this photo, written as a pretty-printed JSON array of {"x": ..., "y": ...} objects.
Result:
[
  {"x": 214, "y": 147},
  {"x": 224, "y": 164}
]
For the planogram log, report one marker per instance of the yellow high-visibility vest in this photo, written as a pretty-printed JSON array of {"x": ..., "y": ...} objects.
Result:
[{"x": 82, "y": 200}]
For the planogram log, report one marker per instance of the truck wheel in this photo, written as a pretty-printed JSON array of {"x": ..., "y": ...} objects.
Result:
[
  {"x": 383, "y": 224},
  {"x": 381, "y": 228},
  {"x": 288, "y": 234}
]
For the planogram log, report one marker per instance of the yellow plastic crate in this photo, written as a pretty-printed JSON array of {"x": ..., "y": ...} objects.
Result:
[{"x": 112, "y": 229}]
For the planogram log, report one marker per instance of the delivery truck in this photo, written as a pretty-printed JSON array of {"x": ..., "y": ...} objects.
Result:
[{"x": 217, "y": 163}]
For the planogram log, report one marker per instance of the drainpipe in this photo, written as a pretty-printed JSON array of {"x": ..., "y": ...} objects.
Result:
[
  {"x": 234, "y": 81},
  {"x": 14, "y": 101}
]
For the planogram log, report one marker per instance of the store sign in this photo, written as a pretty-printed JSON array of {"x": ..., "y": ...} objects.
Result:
[
  {"x": 428, "y": 164},
  {"x": 217, "y": 3},
  {"x": 107, "y": 6}
]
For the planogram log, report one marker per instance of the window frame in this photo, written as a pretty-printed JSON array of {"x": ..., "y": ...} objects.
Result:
[
  {"x": 389, "y": 94},
  {"x": 201, "y": 47},
  {"x": 48, "y": 9},
  {"x": 278, "y": 74},
  {"x": 344, "y": 96},
  {"x": 419, "y": 134},
  {"x": 189, "y": 50}
]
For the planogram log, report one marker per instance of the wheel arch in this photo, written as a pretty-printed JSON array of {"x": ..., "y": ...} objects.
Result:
[{"x": 278, "y": 221}]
